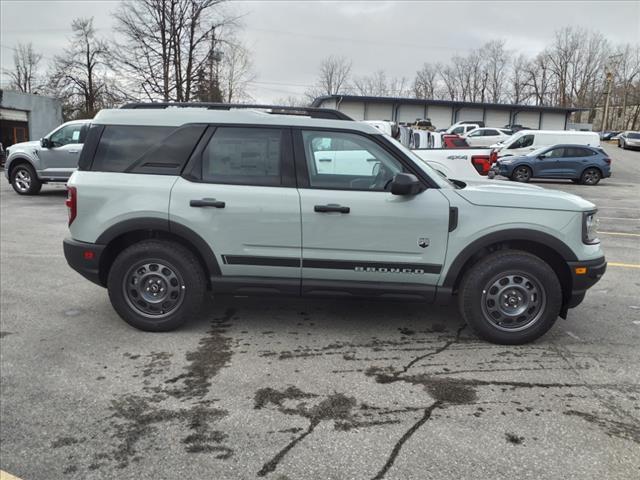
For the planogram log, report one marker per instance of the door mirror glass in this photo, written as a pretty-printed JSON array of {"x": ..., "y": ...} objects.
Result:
[
  {"x": 405, "y": 184},
  {"x": 44, "y": 143}
]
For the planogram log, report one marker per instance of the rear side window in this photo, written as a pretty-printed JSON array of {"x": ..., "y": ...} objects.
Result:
[
  {"x": 122, "y": 145},
  {"x": 578, "y": 152},
  {"x": 244, "y": 156}
]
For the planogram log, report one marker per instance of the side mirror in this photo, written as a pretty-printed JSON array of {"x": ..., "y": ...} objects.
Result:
[
  {"x": 542, "y": 157},
  {"x": 44, "y": 143},
  {"x": 405, "y": 184}
]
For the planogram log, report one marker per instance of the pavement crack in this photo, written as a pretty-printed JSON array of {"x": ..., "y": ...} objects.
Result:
[
  {"x": 434, "y": 352},
  {"x": 271, "y": 465},
  {"x": 407, "y": 435}
]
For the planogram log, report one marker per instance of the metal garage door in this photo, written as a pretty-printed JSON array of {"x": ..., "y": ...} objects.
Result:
[
  {"x": 553, "y": 121},
  {"x": 13, "y": 115}
]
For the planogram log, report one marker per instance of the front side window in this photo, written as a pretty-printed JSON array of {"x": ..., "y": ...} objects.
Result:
[
  {"x": 67, "y": 135},
  {"x": 555, "y": 153},
  {"x": 522, "y": 142},
  {"x": 475, "y": 133},
  {"x": 491, "y": 133},
  {"x": 347, "y": 161},
  {"x": 244, "y": 156}
]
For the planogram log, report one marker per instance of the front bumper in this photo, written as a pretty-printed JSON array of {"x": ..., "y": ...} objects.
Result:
[
  {"x": 84, "y": 258},
  {"x": 584, "y": 275}
]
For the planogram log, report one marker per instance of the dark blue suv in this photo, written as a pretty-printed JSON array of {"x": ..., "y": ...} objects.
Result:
[{"x": 586, "y": 165}]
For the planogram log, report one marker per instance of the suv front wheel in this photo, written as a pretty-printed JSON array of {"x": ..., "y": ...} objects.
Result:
[
  {"x": 156, "y": 285},
  {"x": 510, "y": 297}
]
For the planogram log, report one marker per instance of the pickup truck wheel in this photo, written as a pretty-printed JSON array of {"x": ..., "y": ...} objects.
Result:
[
  {"x": 510, "y": 297},
  {"x": 24, "y": 180},
  {"x": 521, "y": 174},
  {"x": 591, "y": 176},
  {"x": 156, "y": 285}
]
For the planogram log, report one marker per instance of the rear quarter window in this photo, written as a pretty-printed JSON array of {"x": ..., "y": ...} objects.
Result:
[{"x": 145, "y": 149}]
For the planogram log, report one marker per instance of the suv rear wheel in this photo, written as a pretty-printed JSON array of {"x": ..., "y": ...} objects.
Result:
[
  {"x": 24, "y": 180},
  {"x": 510, "y": 297},
  {"x": 156, "y": 285},
  {"x": 591, "y": 176}
]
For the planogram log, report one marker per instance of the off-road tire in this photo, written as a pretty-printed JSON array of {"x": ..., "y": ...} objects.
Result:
[
  {"x": 476, "y": 286},
  {"x": 24, "y": 179},
  {"x": 125, "y": 279}
]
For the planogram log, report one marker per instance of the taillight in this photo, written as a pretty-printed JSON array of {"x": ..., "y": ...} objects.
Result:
[
  {"x": 607, "y": 161},
  {"x": 72, "y": 203},
  {"x": 481, "y": 163}
]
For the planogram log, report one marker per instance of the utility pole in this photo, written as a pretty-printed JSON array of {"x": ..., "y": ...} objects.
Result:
[{"x": 611, "y": 67}]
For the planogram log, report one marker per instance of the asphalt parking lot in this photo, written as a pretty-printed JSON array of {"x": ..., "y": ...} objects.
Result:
[{"x": 292, "y": 389}]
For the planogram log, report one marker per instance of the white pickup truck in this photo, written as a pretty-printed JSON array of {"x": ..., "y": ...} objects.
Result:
[{"x": 458, "y": 163}]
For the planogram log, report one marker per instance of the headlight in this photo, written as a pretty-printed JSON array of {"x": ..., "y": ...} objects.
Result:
[{"x": 590, "y": 223}]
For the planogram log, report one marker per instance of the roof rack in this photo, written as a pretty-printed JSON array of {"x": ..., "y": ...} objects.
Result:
[{"x": 312, "y": 112}]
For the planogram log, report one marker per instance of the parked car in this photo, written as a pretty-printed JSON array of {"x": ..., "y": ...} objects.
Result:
[
  {"x": 586, "y": 165},
  {"x": 237, "y": 202},
  {"x": 485, "y": 136},
  {"x": 516, "y": 127},
  {"x": 629, "y": 140},
  {"x": 461, "y": 129},
  {"x": 606, "y": 136},
  {"x": 51, "y": 159},
  {"x": 525, "y": 141}
]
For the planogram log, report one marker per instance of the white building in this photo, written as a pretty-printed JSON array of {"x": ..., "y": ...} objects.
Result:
[{"x": 444, "y": 113}]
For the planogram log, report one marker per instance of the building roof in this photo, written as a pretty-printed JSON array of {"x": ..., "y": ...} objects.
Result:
[{"x": 445, "y": 103}]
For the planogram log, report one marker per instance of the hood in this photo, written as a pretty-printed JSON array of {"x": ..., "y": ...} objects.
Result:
[
  {"x": 518, "y": 195},
  {"x": 24, "y": 145}
]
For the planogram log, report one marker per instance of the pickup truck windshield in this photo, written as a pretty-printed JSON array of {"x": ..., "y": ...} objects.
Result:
[{"x": 439, "y": 178}]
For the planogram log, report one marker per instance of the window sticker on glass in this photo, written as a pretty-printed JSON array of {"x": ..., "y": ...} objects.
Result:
[{"x": 75, "y": 136}]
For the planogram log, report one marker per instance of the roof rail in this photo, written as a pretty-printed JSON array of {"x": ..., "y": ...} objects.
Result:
[{"x": 312, "y": 112}]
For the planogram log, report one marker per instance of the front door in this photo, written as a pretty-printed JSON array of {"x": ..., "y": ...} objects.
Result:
[
  {"x": 357, "y": 236},
  {"x": 244, "y": 204},
  {"x": 548, "y": 164},
  {"x": 61, "y": 158}
]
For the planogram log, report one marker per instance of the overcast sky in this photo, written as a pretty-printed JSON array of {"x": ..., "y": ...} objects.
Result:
[{"x": 289, "y": 38}]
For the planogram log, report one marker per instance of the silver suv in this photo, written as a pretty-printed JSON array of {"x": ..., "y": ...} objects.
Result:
[
  {"x": 170, "y": 201},
  {"x": 53, "y": 158}
]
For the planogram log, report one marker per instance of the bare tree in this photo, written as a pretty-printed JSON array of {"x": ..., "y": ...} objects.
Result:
[
  {"x": 378, "y": 84},
  {"x": 237, "y": 72},
  {"x": 496, "y": 60},
  {"x": 333, "y": 77},
  {"x": 166, "y": 44},
  {"x": 291, "y": 101},
  {"x": 24, "y": 76},
  {"x": 517, "y": 86},
  {"x": 425, "y": 84},
  {"x": 81, "y": 77}
]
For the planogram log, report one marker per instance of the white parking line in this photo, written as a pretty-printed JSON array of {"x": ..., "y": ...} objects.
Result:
[{"x": 620, "y": 218}]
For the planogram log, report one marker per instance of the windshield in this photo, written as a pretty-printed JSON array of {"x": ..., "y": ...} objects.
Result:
[{"x": 438, "y": 177}]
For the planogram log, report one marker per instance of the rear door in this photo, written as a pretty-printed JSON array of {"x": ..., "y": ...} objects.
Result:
[
  {"x": 574, "y": 160},
  {"x": 240, "y": 197},
  {"x": 357, "y": 236}
]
